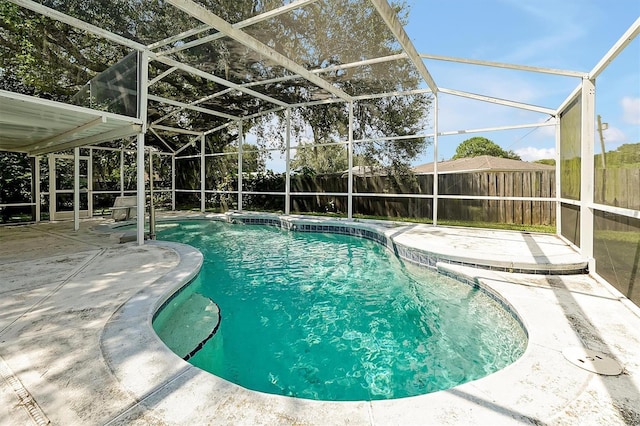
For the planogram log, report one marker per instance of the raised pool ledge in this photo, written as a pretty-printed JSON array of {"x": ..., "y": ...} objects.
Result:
[
  {"x": 539, "y": 387},
  {"x": 427, "y": 245}
]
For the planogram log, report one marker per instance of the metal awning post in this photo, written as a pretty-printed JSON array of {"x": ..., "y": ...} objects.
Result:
[
  {"x": 76, "y": 188},
  {"x": 203, "y": 174},
  {"x": 287, "y": 181},
  {"x": 152, "y": 210},
  {"x": 240, "y": 146},
  {"x": 143, "y": 75},
  {"x": 434, "y": 208},
  {"x": 350, "y": 159}
]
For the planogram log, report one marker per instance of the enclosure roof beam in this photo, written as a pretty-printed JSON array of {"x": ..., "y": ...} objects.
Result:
[
  {"x": 161, "y": 139},
  {"x": 567, "y": 73},
  {"x": 79, "y": 24},
  {"x": 192, "y": 143},
  {"x": 215, "y": 129},
  {"x": 178, "y": 37},
  {"x": 245, "y": 39},
  {"x": 492, "y": 129},
  {"x": 247, "y": 22},
  {"x": 196, "y": 102},
  {"x": 618, "y": 47},
  {"x": 499, "y": 101},
  {"x": 215, "y": 79},
  {"x": 391, "y": 94},
  {"x": 319, "y": 71},
  {"x": 574, "y": 94},
  {"x": 391, "y": 19},
  {"x": 192, "y": 107},
  {"x": 161, "y": 76},
  {"x": 177, "y": 130}
]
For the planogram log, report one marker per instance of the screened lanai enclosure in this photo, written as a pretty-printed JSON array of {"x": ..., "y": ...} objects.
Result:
[{"x": 291, "y": 107}]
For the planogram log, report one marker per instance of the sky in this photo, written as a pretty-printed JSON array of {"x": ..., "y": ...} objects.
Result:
[
  {"x": 568, "y": 34},
  {"x": 562, "y": 34}
]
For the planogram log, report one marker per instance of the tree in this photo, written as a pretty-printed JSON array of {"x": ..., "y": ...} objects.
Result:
[
  {"x": 479, "y": 145},
  {"x": 547, "y": 161},
  {"x": 44, "y": 57},
  {"x": 319, "y": 159}
]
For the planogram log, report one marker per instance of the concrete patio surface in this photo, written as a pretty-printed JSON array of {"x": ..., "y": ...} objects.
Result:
[{"x": 76, "y": 346}]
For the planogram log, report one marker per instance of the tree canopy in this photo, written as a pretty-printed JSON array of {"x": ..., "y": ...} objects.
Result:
[
  {"x": 478, "y": 145},
  {"x": 47, "y": 58}
]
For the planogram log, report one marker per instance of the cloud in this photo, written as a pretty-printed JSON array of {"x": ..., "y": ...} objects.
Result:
[
  {"x": 630, "y": 110},
  {"x": 614, "y": 135},
  {"x": 530, "y": 153}
]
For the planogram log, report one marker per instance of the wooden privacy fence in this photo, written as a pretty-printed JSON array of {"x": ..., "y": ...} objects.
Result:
[
  {"x": 618, "y": 187},
  {"x": 501, "y": 184}
]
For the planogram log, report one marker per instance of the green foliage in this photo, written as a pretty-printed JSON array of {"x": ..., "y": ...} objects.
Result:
[
  {"x": 479, "y": 145},
  {"x": 319, "y": 159},
  {"x": 47, "y": 58},
  {"x": 547, "y": 161},
  {"x": 548, "y": 229},
  {"x": 626, "y": 156},
  {"x": 15, "y": 181},
  {"x": 15, "y": 178}
]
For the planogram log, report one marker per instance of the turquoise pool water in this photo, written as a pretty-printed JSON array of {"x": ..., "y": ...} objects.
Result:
[{"x": 336, "y": 317}]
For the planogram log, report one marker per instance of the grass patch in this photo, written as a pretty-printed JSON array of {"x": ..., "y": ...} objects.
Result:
[{"x": 548, "y": 229}]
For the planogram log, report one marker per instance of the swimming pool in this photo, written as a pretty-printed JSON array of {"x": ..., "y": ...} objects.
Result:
[{"x": 337, "y": 317}]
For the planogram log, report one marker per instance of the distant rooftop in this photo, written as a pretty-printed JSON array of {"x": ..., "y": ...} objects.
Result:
[{"x": 483, "y": 163}]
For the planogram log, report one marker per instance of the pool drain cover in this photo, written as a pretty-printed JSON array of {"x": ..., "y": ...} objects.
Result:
[{"x": 593, "y": 361}]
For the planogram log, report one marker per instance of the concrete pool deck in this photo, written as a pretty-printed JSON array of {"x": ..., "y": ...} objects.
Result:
[{"x": 76, "y": 346}]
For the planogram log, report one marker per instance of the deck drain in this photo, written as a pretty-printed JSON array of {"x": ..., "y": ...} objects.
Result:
[{"x": 593, "y": 361}]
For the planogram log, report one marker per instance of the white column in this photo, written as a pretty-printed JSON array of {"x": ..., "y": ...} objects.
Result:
[
  {"x": 141, "y": 201},
  {"x": 350, "y": 156},
  {"x": 240, "y": 143},
  {"x": 76, "y": 188},
  {"x": 90, "y": 183},
  {"x": 587, "y": 170},
  {"x": 558, "y": 178},
  {"x": 143, "y": 74},
  {"x": 203, "y": 171},
  {"x": 36, "y": 178},
  {"x": 122, "y": 171},
  {"x": 287, "y": 181},
  {"x": 173, "y": 182},
  {"x": 52, "y": 186},
  {"x": 435, "y": 161}
]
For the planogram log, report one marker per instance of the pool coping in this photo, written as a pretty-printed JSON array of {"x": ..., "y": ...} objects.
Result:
[{"x": 537, "y": 387}]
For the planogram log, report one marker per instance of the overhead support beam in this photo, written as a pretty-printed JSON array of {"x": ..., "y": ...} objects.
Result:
[
  {"x": 618, "y": 47},
  {"x": 493, "y": 129},
  {"x": 194, "y": 103},
  {"x": 209, "y": 18},
  {"x": 175, "y": 130},
  {"x": 218, "y": 80},
  {"x": 390, "y": 94},
  {"x": 566, "y": 73},
  {"x": 192, "y": 107},
  {"x": 161, "y": 139},
  {"x": 391, "y": 19},
  {"x": 239, "y": 25},
  {"x": 119, "y": 133},
  {"x": 499, "y": 101},
  {"x": 161, "y": 76},
  {"x": 178, "y": 37},
  {"x": 77, "y": 23}
]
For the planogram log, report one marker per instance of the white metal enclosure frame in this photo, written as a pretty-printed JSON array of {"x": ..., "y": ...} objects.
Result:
[{"x": 322, "y": 81}]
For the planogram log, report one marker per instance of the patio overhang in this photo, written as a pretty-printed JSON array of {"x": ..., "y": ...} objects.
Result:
[{"x": 38, "y": 126}]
